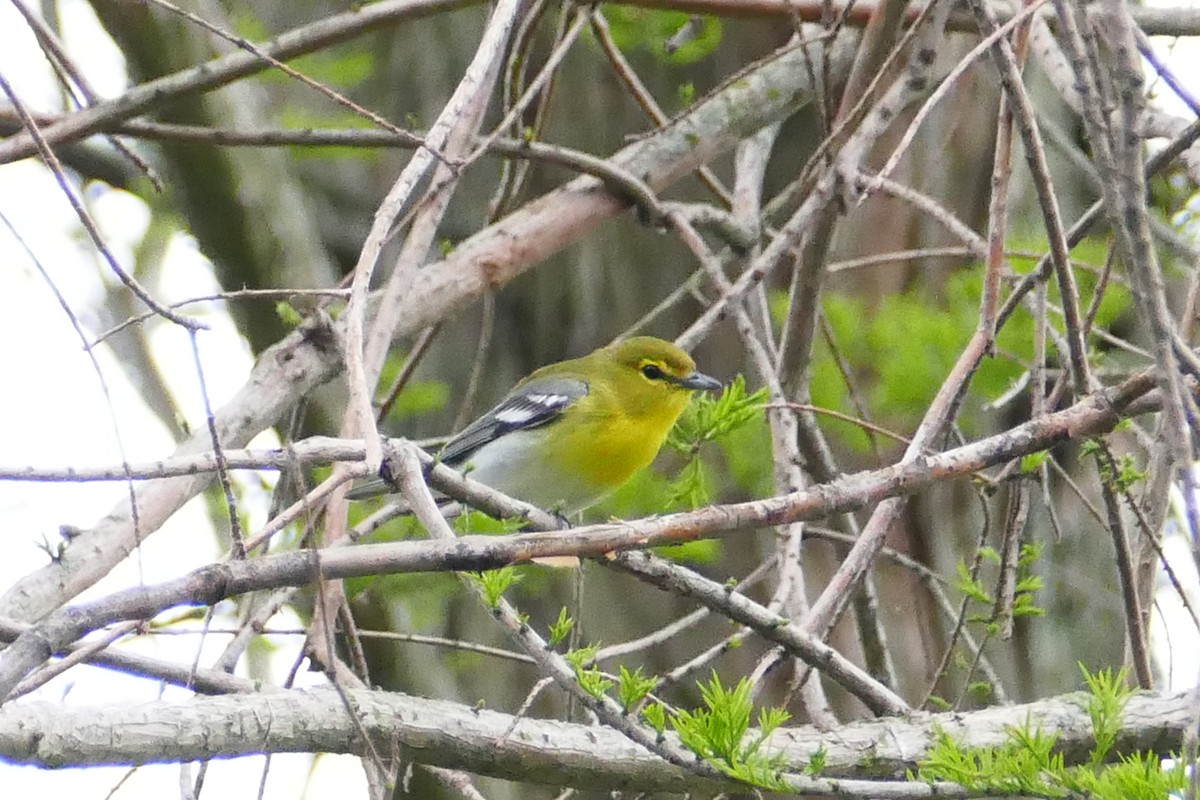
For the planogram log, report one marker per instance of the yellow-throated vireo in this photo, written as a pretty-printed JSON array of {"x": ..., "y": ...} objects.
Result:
[{"x": 574, "y": 431}]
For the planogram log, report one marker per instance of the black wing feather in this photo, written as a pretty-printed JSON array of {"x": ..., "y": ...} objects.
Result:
[{"x": 530, "y": 405}]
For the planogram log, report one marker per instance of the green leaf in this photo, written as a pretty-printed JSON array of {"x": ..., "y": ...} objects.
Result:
[
  {"x": 655, "y": 716},
  {"x": 710, "y": 418},
  {"x": 1030, "y": 553},
  {"x": 980, "y": 691},
  {"x": 560, "y": 629},
  {"x": 1026, "y": 763},
  {"x": 1109, "y": 695},
  {"x": 938, "y": 703},
  {"x": 494, "y": 583},
  {"x": 590, "y": 679},
  {"x": 340, "y": 69},
  {"x": 816, "y": 762},
  {"x": 288, "y": 314},
  {"x": 687, "y": 94},
  {"x": 989, "y": 554},
  {"x": 689, "y": 490},
  {"x": 1033, "y": 462},
  {"x": 417, "y": 397},
  {"x": 970, "y": 587},
  {"x": 633, "y": 686},
  {"x": 717, "y": 733},
  {"x": 649, "y": 30},
  {"x": 581, "y": 656}
]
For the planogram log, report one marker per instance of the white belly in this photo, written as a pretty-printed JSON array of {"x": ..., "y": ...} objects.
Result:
[{"x": 512, "y": 465}]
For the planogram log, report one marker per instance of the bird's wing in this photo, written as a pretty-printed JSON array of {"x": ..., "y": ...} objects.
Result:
[{"x": 530, "y": 405}]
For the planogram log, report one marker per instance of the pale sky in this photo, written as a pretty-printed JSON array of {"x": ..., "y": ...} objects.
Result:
[{"x": 61, "y": 417}]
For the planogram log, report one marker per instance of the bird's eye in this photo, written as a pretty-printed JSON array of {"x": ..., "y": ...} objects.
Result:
[{"x": 652, "y": 372}]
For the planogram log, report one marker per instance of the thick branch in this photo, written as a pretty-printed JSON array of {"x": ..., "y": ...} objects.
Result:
[{"x": 464, "y": 737}]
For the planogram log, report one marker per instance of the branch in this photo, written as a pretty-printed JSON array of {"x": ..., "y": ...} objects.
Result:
[
  {"x": 1180, "y": 21},
  {"x": 305, "y": 359},
  {"x": 224, "y": 70},
  {"x": 315, "y": 450},
  {"x": 767, "y": 92},
  {"x": 1098, "y": 413},
  {"x": 446, "y": 734}
]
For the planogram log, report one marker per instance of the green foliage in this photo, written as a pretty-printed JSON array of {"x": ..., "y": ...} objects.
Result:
[
  {"x": 700, "y": 551},
  {"x": 743, "y": 449},
  {"x": 424, "y": 598},
  {"x": 687, "y": 94},
  {"x": 655, "y": 716},
  {"x": 1109, "y": 694},
  {"x": 1027, "y": 584},
  {"x": 816, "y": 762},
  {"x": 735, "y": 423},
  {"x": 898, "y": 375},
  {"x": 417, "y": 397},
  {"x": 971, "y": 587},
  {"x": 1089, "y": 255},
  {"x": 708, "y": 419},
  {"x": 593, "y": 682},
  {"x": 1139, "y": 776},
  {"x": 1026, "y": 764},
  {"x": 648, "y": 492},
  {"x": 1124, "y": 474},
  {"x": 473, "y": 522},
  {"x": 908, "y": 369},
  {"x": 288, "y": 314},
  {"x": 1171, "y": 193},
  {"x": 718, "y": 734},
  {"x": 299, "y": 118},
  {"x": 561, "y": 629},
  {"x": 644, "y": 493},
  {"x": 246, "y": 25},
  {"x": 339, "y": 68},
  {"x": 582, "y": 656},
  {"x": 495, "y": 583},
  {"x": 690, "y": 488},
  {"x": 1023, "y": 602},
  {"x": 590, "y": 679},
  {"x": 1033, "y": 462},
  {"x": 644, "y": 29},
  {"x": 1023, "y": 765},
  {"x": 938, "y": 703},
  {"x": 980, "y": 691},
  {"x": 633, "y": 686}
]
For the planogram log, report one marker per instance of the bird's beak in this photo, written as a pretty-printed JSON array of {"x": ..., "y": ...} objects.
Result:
[{"x": 699, "y": 381}]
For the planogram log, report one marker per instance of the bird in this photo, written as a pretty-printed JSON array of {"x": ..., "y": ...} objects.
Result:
[{"x": 574, "y": 431}]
